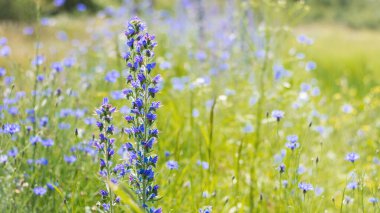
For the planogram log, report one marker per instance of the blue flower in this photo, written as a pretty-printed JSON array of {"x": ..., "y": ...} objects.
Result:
[
  {"x": 47, "y": 142},
  {"x": 81, "y": 7},
  {"x": 70, "y": 159},
  {"x": 373, "y": 200},
  {"x": 13, "y": 152},
  {"x": 277, "y": 114},
  {"x": 352, "y": 185},
  {"x": 11, "y": 128},
  {"x": 39, "y": 191},
  {"x": 292, "y": 146},
  {"x": 112, "y": 76},
  {"x": 2, "y": 72},
  {"x": 305, "y": 187},
  {"x": 207, "y": 209},
  {"x": 352, "y": 157},
  {"x": 172, "y": 165},
  {"x": 57, "y": 66},
  {"x": 103, "y": 193},
  {"x": 5, "y": 51},
  {"x": 44, "y": 121},
  {"x": 3, "y": 159},
  {"x": 310, "y": 65},
  {"x": 42, "y": 161},
  {"x": 59, "y": 3},
  {"x": 38, "y": 61},
  {"x": 292, "y": 138},
  {"x": 34, "y": 139},
  {"x": 281, "y": 168}
]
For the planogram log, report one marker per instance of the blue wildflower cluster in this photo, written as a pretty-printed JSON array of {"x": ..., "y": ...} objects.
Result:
[
  {"x": 105, "y": 146},
  {"x": 141, "y": 92}
]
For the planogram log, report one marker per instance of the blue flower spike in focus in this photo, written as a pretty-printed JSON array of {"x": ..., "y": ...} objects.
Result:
[
  {"x": 105, "y": 146},
  {"x": 143, "y": 87}
]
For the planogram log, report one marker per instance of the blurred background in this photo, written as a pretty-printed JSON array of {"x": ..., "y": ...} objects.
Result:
[{"x": 346, "y": 31}]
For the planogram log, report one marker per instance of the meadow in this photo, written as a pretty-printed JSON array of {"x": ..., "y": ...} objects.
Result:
[{"x": 258, "y": 112}]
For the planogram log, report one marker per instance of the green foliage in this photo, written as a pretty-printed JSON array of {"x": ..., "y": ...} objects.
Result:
[{"x": 18, "y": 10}]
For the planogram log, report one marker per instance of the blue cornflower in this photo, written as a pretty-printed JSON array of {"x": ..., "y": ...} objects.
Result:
[
  {"x": 153, "y": 210},
  {"x": 207, "y": 209},
  {"x": 292, "y": 146},
  {"x": 47, "y": 142},
  {"x": 42, "y": 161},
  {"x": 3, "y": 158},
  {"x": 112, "y": 76},
  {"x": 204, "y": 164},
  {"x": 352, "y": 185},
  {"x": 51, "y": 186},
  {"x": 11, "y": 128},
  {"x": 310, "y": 65},
  {"x": 281, "y": 168},
  {"x": 70, "y": 159},
  {"x": 2, "y": 72},
  {"x": 57, "y": 66},
  {"x": 3, "y": 41},
  {"x": 352, "y": 157},
  {"x": 13, "y": 152},
  {"x": 89, "y": 121},
  {"x": 28, "y": 30},
  {"x": 69, "y": 62},
  {"x": 13, "y": 110},
  {"x": 305, "y": 187},
  {"x": 63, "y": 125},
  {"x": 277, "y": 114},
  {"x": 172, "y": 165},
  {"x": 59, "y": 3},
  {"x": 34, "y": 139},
  {"x": 5, "y": 51},
  {"x": 44, "y": 121},
  {"x": 292, "y": 138},
  {"x": 81, "y": 7},
  {"x": 40, "y": 191},
  {"x": 38, "y": 61},
  {"x": 373, "y": 200}
]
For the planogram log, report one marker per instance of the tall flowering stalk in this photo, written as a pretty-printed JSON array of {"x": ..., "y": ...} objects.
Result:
[
  {"x": 141, "y": 93},
  {"x": 105, "y": 146}
]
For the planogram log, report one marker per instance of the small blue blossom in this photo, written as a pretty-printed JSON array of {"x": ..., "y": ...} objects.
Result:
[
  {"x": 81, "y": 7},
  {"x": 352, "y": 185},
  {"x": 70, "y": 159},
  {"x": 39, "y": 191},
  {"x": 352, "y": 157},
  {"x": 278, "y": 114},
  {"x": 47, "y": 142},
  {"x": 373, "y": 200},
  {"x": 11, "y": 128},
  {"x": 38, "y": 61},
  {"x": 172, "y": 165},
  {"x": 3, "y": 159},
  {"x": 2, "y": 72},
  {"x": 13, "y": 152},
  {"x": 112, "y": 76},
  {"x": 310, "y": 65},
  {"x": 207, "y": 209},
  {"x": 35, "y": 139},
  {"x": 305, "y": 187},
  {"x": 59, "y": 3}
]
